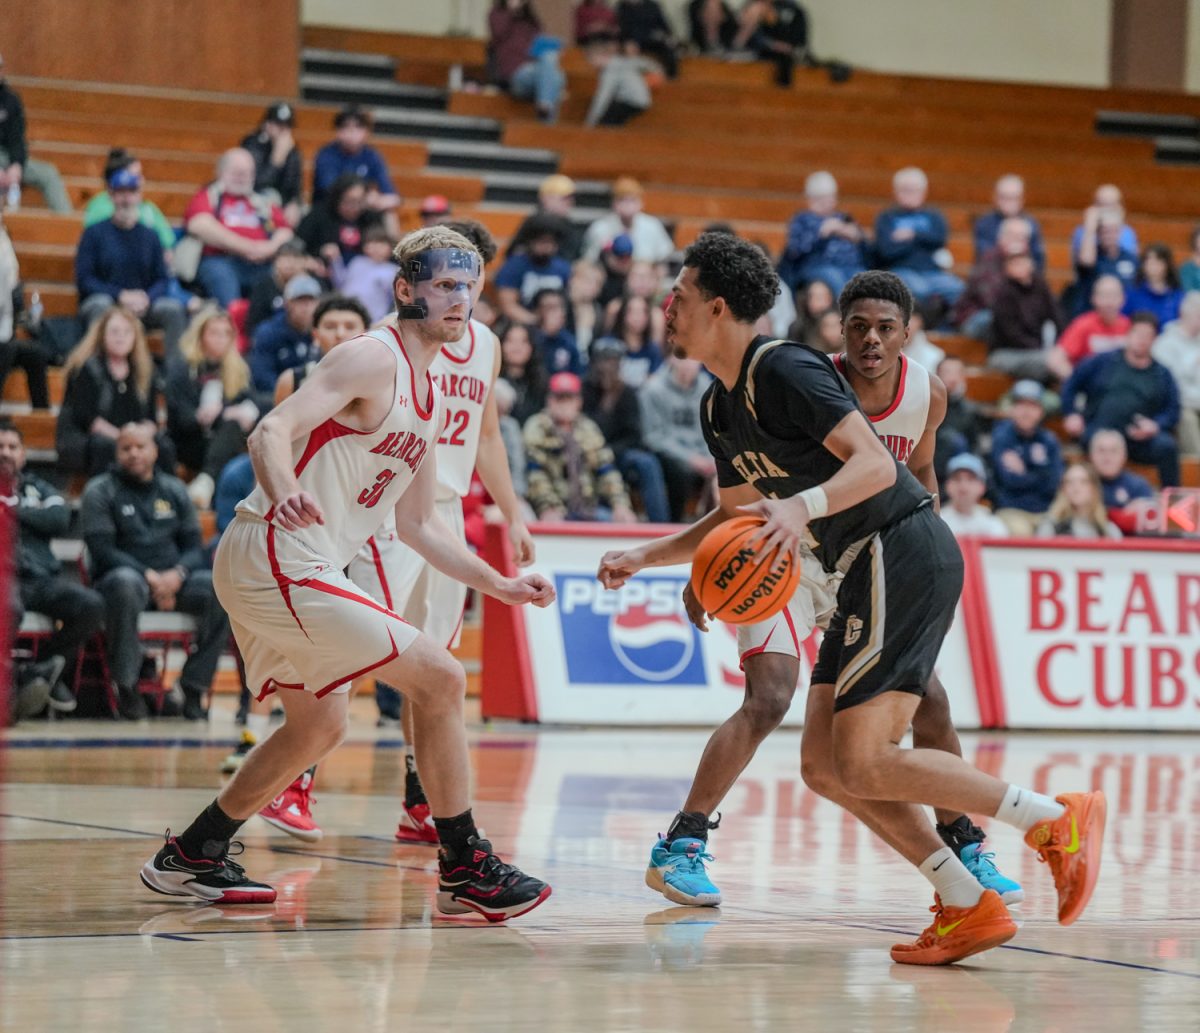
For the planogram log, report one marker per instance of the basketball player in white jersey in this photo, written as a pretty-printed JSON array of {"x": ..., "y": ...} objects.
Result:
[
  {"x": 905, "y": 405},
  {"x": 353, "y": 442}
]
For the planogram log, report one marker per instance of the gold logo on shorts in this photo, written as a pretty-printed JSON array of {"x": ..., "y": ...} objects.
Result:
[{"x": 854, "y": 629}]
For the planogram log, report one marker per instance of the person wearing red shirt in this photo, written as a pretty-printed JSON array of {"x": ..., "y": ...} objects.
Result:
[{"x": 1100, "y": 330}]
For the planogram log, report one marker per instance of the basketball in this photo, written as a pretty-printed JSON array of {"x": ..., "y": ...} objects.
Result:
[{"x": 732, "y": 583}]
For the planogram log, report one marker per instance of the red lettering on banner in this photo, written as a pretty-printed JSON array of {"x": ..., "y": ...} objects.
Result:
[
  {"x": 1043, "y": 677},
  {"x": 1087, "y": 600},
  {"x": 1188, "y": 591},
  {"x": 1099, "y": 670},
  {"x": 1165, "y": 662},
  {"x": 1140, "y": 603},
  {"x": 1042, "y": 592}
]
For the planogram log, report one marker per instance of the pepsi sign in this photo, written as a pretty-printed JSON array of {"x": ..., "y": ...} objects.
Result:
[{"x": 637, "y": 635}]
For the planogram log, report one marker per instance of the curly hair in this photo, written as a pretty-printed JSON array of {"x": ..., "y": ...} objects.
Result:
[
  {"x": 478, "y": 234},
  {"x": 341, "y": 303},
  {"x": 878, "y": 286},
  {"x": 736, "y": 270}
]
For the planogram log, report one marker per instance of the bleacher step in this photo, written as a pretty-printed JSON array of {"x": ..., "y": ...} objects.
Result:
[
  {"x": 318, "y": 61},
  {"x": 435, "y": 125},
  {"x": 370, "y": 92},
  {"x": 1179, "y": 150},
  {"x": 491, "y": 157},
  {"x": 1145, "y": 124}
]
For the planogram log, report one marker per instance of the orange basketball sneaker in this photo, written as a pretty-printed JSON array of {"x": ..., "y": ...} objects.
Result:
[
  {"x": 959, "y": 932},
  {"x": 1071, "y": 846}
]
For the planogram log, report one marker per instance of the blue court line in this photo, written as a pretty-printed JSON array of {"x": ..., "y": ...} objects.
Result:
[{"x": 106, "y": 743}]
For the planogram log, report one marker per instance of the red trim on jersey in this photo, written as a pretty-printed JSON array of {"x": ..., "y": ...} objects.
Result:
[
  {"x": 787, "y": 616},
  {"x": 840, "y": 362},
  {"x": 358, "y": 674},
  {"x": 328, "y": 431},
  {"x": 282, "y": 581},
  {"x": 470, "y": 351},
  {"x": 271, "y": 685},
  {"x": 427, "y": 414},
  {"x": 377, "y": 559},
  {"x": 755, "y": 651},
  {"x": 341, "y": 593}
]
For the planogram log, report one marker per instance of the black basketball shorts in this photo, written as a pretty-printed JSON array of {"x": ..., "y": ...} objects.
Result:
[{"x": 895, "y": 607}]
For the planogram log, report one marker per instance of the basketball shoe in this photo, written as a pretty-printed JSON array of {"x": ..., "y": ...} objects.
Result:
[
  {"x": 677, "y": 871},
  {"x": 416, "y": 825},
  {"x": 1071, "y": 846},
  {"x": 291, "y": 810},
  {"x": 479, "y": 881},
  {"x": 218, "y": 880},
  {"x": 966, "y": 840},
  {"x": 959, "y": 932},
  {"x": 234, "y": 761}
]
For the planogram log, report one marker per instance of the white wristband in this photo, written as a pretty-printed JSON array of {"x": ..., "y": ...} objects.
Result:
[{"x": 816, "y": 500}]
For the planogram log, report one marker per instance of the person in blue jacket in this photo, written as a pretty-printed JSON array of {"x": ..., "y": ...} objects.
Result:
[
  {"x": 285, "y": 340},
  {"x": 1027, "y": 462}
]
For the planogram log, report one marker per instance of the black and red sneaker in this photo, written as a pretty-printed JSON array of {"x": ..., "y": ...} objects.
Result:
[
  {"x": 219, "y": 880},
  {"x": 479, "y": 881}
]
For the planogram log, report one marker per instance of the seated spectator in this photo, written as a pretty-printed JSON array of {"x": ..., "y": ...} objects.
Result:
[
  {"x": 815, "y": 299},
  {"x": 1189, "y": 272},
  {"x": 111, "y": 382},
  {"x": 919, "y": 348},
  {"x": 622, "y": 85},
  {"x": 1107, "y": 203},
  {"x": 777, "y": 31},
  {"x": 267, "y": 297},
  {"x": 642, "y": 281},
  {"x": 17, "y": 169},
  {"x": 100, "y": 206},
  {"x": 521, "y": 366},
  {"x": 26, "y": 353},
  {"x": 572, "y": 472},
  {"x": 782, "y": 313},
  {"x": 1102, "y": 254},
  {"x": 334, "y": 228},
  {"x": 671, "y": 417},
  {"x": 210, "y": 411},
  {"x": 1078, "y": 509},
  {"x": 1008, "y": 202},
  {"x": 645, "y": 30},
  {"x": 963, "y": 423},
  {"x": 617, "y": 262},
  {"x": 587, "y": 322},
  {"x": 594, "y": 20},
  {"x": 649, "y": 237},
  {"x": 829, "y": 333},
  {"x": 522, "y": 60},
  {"x": 121, "y": 262},
  {"x": 435, "y": 210},
  {"x": 143, "y": 539},
  {"x": 1025, "y": 319},
  {"x": 277, "y": 160},
  {"x": 1178, "y": 348},
  {"x": 1126, "y": 494},
  {"x": 823, "y": 243},
  {"x": 613, "y": 406},
  {"x": 556, "y": 198},
  {"x": 510, "y": 434},
  {"x": 966, "y": 484},
  {"x": 633, "y": 327},
  {"x": 713, "y": 26},
  {"x": 910, "y": 241},
  {"x": 371, "y": 276},
  {"x": 235, "y": 483},
  {"x": 1026, "y": 462},
  {"x": 285, "y": 340},
  {"x": 528, "y": 272},
  {"x": 1156, "y": 288},
  {"x": 350, "y": 154},
  {"x": 241, "y": 230},
  {"x": 1128, "y": 391},
  {"x": 39, "y": 586},
  {"x": 1100, "y": 330},
  {"x": 337, "y": 319},
  {"x": 973, "y": 311},
  {"x": 554, "y": 341}
]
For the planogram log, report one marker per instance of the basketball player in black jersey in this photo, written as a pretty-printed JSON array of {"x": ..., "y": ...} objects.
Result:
[{"x": 785, "y": 429}]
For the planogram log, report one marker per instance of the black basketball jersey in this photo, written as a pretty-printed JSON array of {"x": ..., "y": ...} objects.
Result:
[{"x": 769, "y": 432}]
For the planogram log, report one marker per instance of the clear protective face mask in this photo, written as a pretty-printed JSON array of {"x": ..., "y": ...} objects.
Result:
[{"x": 433, "y": 296}]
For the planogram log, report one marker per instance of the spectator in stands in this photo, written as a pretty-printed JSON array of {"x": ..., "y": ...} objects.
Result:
[
  {"x": 266, "y": 299},
  {"x": 1107, "y": 203},
  {"x": 587, "y": 280},
  {"x": 1102, "y": 254},
  {"x": 594, "y": 21},
  {"x": 537, "y": 268},
  {"x": 337, "y": 319},
  {"x": 17, "y": 169},
  {"x": 1026, "y": 462},
  {"x": 645, "y": 30},
  {"x": 39, "y": 586},
  {"x": 241, "y": 230},
  {"x": 966, "y": 484},
  {"x": 1008, "y": 202},
  {"x": 143, "y": 538},
  {"x": 919, "y": 348},
  {"x": 572, "y": 472},
  {"x": 1078, "y": 509},
  {"x": 435, "y": 210},
  {"x": 28, "y": 353},
  {"x": 963, "y": 423},
  {"x": 1126, "y": 494},
  {"x": 555, "y": 343},
  {"x": 235, "y": 483},
  {"x": 522, "y": 60},
  {"x": 350, "y": 154},
  {"x": 829, "y": 333},
  {"x": 643, "y": 281},
  {"x": 1178, "y": 348},
  {"x": 100, "y": 206},
  {"x": 1025, "y": 319},
  {"x": 121, "y": 262},
  {"x": 334, "y": 228},
  {"x": 671, "y": 417},
  {"x": 776, "y": 30},
  {"x": 1130, "y": 392},
  {"x": 510, "y": 434},
  {"x": 285, "y": 340},
  {"x": 556, "y": 198},
  {"x": 633, "y": 327},
  {"x": 617, "y": 261},
  {"x": 1189, "y": 272},
  {"x": 111, "y": 382},
  {"x": 823, "y": 243},
  {"x": 1100, "y": 330},
  {"x": 713, "y": 26},
  {"x": 613, "y": 406},
  {"x": 651, "y": 241},
  {"x": 622, "y": 86},
  {"x": 815, "y": 299},
  {"x": 371, "y": 276},
  {"x": 521, "y": 366},
  {"x": 973, "y": 311},
  {"x": 1156, "y": 288},
  {"x": 210, "y": 411},
  {"x": 910, "y": 241},
  {"x": 277, "y": 160}
]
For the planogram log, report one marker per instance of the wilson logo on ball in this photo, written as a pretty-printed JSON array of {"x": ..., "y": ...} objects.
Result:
[{"x": 735, "y": 581}]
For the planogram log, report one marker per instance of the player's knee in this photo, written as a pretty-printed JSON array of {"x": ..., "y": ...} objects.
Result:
[
  {"x": 862, "y": 774},
  {"x": 771, "y": 684},
  {"x": 766, "y": 710},
  {"x": 818, "y": 773}
]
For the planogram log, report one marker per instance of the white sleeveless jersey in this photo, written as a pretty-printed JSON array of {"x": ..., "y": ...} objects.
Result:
[
  {"x": 357, "y": 477},
  {"x": 463, "y": 373},
  {"x": 901, "y": 425}
]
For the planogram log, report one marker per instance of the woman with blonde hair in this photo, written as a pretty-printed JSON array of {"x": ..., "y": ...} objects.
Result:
[
  {"x": 210, "y": 410},
  {"x": 1078, "y": 509},
  {"x": 111, "y": 381}
]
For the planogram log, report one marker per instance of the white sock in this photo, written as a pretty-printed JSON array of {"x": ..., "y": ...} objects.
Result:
[
  {"x": 1023, "y": 808},
  {"x": 257, "y": 725},
  {"x": 956, "y": 886}
]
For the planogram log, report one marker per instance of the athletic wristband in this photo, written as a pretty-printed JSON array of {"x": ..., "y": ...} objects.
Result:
[{"x": 817, "y": 502}]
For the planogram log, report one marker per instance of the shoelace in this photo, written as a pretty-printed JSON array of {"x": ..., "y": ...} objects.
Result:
[
  {"x": 696, "y": 858},
  {"x": 929, "y": 935},
  {"x": 987, "y": 860}
]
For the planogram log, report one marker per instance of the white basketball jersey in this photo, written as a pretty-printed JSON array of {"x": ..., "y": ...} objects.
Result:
[
  {"x": 355, "y": 476},
  {"x": 901, "y": 425},
  {"x": 463, "y": 371}
]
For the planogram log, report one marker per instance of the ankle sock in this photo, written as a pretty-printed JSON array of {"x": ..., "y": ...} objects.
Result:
[
  {"x": 209, "y": 835},
  {"x": 950, "y": 879},
  {"x": 455, "y": 833},
  {"x": 1023, "y": 808},
  {"x": 414, "y": 792}
]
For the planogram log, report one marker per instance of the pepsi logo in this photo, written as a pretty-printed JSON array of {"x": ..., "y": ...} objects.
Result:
[{"x": 657, "y": 648}]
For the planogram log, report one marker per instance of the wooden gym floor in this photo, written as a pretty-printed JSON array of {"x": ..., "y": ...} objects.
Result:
[{"x": 812, "y": 902}]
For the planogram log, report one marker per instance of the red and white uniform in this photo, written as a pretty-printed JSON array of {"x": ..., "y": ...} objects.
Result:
[
  {"x": 900, "y": 427},
  {"x": 300, "y": 623},
  {"x": 392, "y": 572}
]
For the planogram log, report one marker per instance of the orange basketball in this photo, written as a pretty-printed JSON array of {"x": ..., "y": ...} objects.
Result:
[{"x": 735, "y": 586}]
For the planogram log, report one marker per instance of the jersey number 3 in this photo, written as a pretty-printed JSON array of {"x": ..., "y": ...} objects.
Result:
[
  {"x": 460, "y": 418},
  {"x": 370, "y": 497}
]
